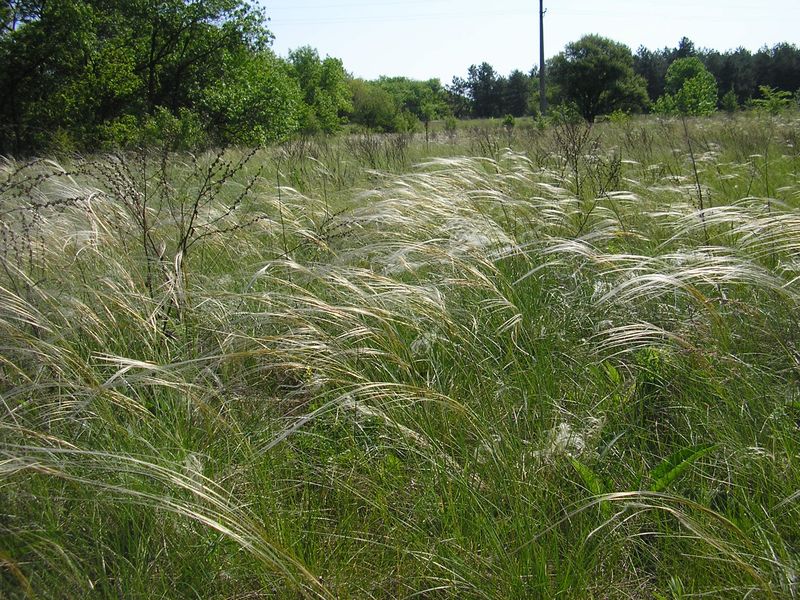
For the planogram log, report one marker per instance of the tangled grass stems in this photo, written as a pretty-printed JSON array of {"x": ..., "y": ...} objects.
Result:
[
  {"x": 366, "y": 383},
  {"x": 208, "y": 505}
]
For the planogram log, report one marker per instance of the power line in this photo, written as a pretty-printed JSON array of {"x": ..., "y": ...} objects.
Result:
[
  {"x": 396, "y": 18},
  {"x": 405, "y": 16}
]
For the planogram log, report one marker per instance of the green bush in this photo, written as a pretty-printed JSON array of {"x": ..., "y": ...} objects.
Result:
[
  {"x": 450, "y": 125},
  {"x": 773, "y": 101},
  {"x": 728, "y": 102},
  {"x": 690, "y": 89},
  {"x": 182, "y": 132},
  {"x": 406, "y": 122}
]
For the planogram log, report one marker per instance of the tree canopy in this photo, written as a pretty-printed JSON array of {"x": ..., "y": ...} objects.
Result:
[
  {"x": 596, "y": 75},
  {"x": 739, "y": 70},
  {"x": 486, "y": 93},
  {"x": 690, "y": 89},
  {"x": 324, "y": 87},
  {"x": 88, "y": 74},
  {"x": 82, "y": 66},
  {"x": 373, "y": 107}
]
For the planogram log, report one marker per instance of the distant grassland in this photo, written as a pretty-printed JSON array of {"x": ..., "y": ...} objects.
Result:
[{"x": 527, "y": 362}]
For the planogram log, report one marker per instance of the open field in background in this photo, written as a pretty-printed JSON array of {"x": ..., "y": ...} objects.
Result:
[{"x": 535, "y": 363}]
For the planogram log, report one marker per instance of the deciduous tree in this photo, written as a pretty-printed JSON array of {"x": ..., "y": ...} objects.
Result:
[
  {"x": 373, "y": 106},
  {"x": 690, "y": 89},
  {"x": 323, "y": 83},
  {"x": 78, "y": 66},
  {"x": 255, "y": 101},
  {"x": 596, "y": 74}
]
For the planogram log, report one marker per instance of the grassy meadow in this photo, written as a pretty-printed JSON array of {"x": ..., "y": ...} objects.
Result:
[{"x": 534, "y": 362}]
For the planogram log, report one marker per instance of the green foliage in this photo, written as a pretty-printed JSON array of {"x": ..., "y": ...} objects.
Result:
[
  {"x": 485, "y": 93},
  {"x": 739, "y": 70},
  {"x": 458, "y": 97},
  {"x": 676, "y": 465},
  {"x": 254, "y": 102},
  {"x": 665, "y": 105},
  {"x": 728, "y": 102},
  {"x": 77, "y": 75},
  {"x": 698, "y": 96},
  {"x": 517, "y": 93},
  {"x": 127, "y": 132},
  {"x": 405, "y": 122},
  {"x": 88, "y": 68},
  {"x": 592, "y": 481},
  {"x": 323, "y": 84},
  {"x": 397, "y": 104},
  {"x": 41, "y": 87},
  {"x": 466, "y": 378},
  {"x": 773, "y": 101},
  {"x": 620, "y": 117},
  {"x": 486, "y": 90},
  {"x": 681, "y": 71},
  {"x": 566, "y": 114},
  {"x": 373, "y": 107},
  {"x": 691, "y": 89},
  {"x": 450, "y": 125},
  {"x": 186, "y": 131},
  {"x": 596, "y": 74},
  {"x": 425, "y": 100}
]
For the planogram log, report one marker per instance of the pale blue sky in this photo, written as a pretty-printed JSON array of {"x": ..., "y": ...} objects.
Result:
[{"x": 442, "y": 38}]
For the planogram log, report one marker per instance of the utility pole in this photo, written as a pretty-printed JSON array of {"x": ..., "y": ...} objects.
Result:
[{"x": 542, "y": 93}]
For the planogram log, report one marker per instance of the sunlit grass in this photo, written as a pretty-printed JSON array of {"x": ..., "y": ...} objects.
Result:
[{"x": 375, "y": 367}]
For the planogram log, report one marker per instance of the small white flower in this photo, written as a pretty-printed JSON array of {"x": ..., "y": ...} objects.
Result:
[
  {"x": 563, "y": 440},
  {"x": 424, "y": 342}
]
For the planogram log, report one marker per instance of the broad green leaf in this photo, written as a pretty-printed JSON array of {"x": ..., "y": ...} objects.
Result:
[
  {"x": 590, "y": 479},
  {"x": 612, "y": 373},
  {"x": 593, "y": 483},
  {"x": 676, "y": 464}
]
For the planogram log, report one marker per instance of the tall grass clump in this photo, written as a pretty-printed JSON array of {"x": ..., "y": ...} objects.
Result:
[{"x": 376, "y": 367}]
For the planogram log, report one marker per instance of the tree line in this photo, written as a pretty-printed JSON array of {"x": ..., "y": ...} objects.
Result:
[
  {"x": 597, "y": 76},
  {"x": 88, "y": 74}
]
